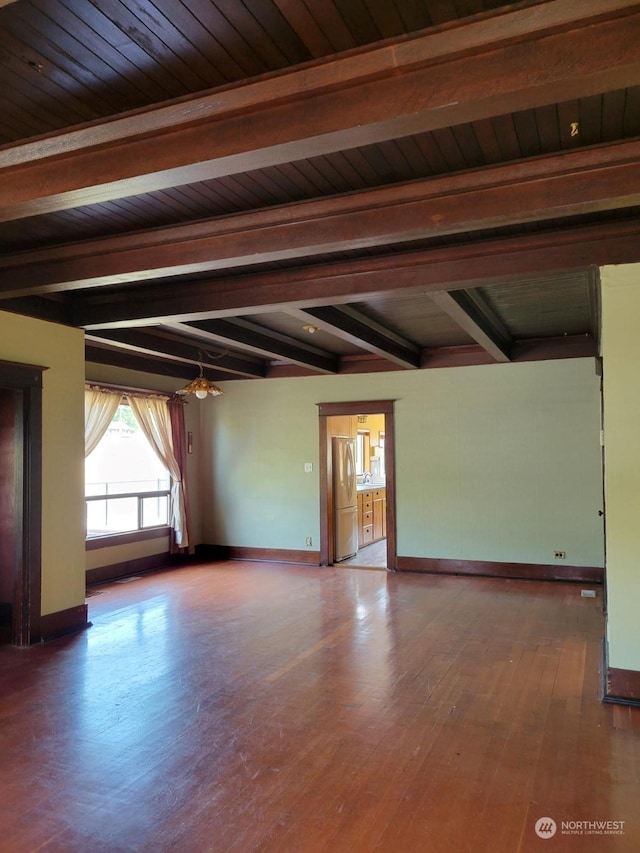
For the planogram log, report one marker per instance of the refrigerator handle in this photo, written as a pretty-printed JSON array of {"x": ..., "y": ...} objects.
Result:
[{"x": 350, "y": 466}]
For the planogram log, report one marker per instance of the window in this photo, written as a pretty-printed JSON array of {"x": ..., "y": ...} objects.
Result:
[
  {"x": 380, "y": 455},
  {"x": 362, "y": 451},
  {"x": 126, "y": 485}
]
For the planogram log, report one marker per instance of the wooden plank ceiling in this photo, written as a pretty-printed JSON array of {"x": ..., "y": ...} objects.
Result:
[{"x": 422, "y": 182}]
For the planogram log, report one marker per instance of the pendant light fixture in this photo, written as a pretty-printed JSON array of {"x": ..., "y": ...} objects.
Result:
[{"x": 201, "y": 386}]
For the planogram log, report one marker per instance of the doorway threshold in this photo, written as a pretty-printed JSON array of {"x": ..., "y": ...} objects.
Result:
[{"x": 371, "y": 556}]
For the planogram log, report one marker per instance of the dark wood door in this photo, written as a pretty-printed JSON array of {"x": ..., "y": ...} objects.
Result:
[
  {"x": 21, "y": 499},
  {"x": 8, "y": 511}
]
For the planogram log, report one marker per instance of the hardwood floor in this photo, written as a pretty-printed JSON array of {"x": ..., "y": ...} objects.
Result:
[
  {"x": 263, "y": 707},
  {"x": 371, "y": 556}
]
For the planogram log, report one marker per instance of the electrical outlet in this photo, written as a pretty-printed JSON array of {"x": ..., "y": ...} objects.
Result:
[
  {"x": 560, "y": 555},
  {"x": 308, "y": 541},
  {"x": 308, "y": 467}
]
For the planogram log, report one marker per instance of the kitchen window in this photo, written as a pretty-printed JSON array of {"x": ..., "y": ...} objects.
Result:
[{"x": 363, "y": 444}]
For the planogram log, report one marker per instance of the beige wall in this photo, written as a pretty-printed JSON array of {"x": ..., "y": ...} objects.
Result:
[
  {"x": 96, "y": 558},
  {"x": 136, "y": 379},
  {"x": 497, "y": 462},
  {"x": 621, "y": 357},
  {"x": 61, "y": 351}
]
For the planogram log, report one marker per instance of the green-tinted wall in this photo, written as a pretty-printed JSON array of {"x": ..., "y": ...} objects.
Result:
[{"x": 499, "y": 462}]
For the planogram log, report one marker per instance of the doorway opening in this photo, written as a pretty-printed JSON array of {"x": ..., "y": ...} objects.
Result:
[
  {"x": 357, "y": 484},
  {"x": 20, "y": 502}
]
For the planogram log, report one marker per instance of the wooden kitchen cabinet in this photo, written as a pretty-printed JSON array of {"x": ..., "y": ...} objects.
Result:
[
  {"x": 344, "y": 425},
  {"x": 372, "y": 510},
  {"x": 365, "y": 518},
  {"x": 379, "y": 513}
]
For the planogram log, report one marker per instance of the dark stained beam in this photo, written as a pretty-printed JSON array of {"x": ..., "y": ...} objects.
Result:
[
  {"x": 472, "y": 313},
  {"x": 534, "y": 349},
  {"x": 514, "y": 60},
  {"x": 265, "y": 342},
  {"x": 54, "y": 309},
  {"x": 458, "y": 266},
  {"x": 117, "y": 357},
  {"x": 352, "y": 325},
  {"x": 544, "y": 349},
  {"x": 583, "y": 181},
  {"x": 159, "y": 344},
  {"x": 569, "y": 346}
]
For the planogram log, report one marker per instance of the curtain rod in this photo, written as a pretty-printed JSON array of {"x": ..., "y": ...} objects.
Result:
[{"x": 127, "y": 390}]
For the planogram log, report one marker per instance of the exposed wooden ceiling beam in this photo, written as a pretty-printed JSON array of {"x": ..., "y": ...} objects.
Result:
[
  {"x": 472, "y": 313},
  {"x": 529, "y": 349},
  {"x": 103, "y": 353},
  {"x": 55, "y": 309},
  {"x": 158, "y": 343},
  {"x": 459, "y": 266},
  {"x": 543, "y": 188},
  {"x": 429, "y": 81},
  {"x": 352, "y": 325},
  {"x": 265, "y": 342},
  {"x": 534, "y": 349}
]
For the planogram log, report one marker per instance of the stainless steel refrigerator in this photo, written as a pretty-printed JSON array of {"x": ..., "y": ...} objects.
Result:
[{"x": 345, "y": 498}]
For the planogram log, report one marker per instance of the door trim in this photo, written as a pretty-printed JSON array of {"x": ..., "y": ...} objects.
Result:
[
  {"x": 362, "y": 407},
  {"x": 26, "y": 382}
]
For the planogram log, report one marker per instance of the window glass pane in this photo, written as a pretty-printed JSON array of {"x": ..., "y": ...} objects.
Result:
[
  {"x": 155, "y": 511},
  {"x": 119, "y": 515},
  {"x": 383, "y": 472},
  {"x": 124, "y": 461},
  {"x": 95, "y": 489},
  {"x": 360, "y": 453}
]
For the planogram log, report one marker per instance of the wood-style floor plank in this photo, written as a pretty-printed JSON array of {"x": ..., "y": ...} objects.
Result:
[{"x": 264, "y": 707}]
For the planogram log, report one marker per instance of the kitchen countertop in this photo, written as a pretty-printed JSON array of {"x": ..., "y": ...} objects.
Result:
[{"x": 364, "y": 487}]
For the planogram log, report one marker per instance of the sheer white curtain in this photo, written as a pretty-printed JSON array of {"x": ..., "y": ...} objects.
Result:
[
  {"x": 99, "y": 409},
  {"x": 153, "y": 416}
]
